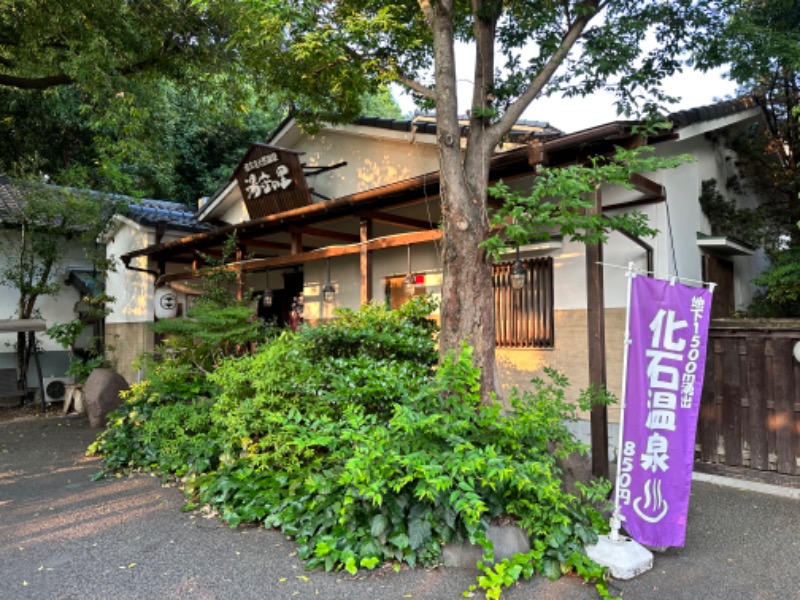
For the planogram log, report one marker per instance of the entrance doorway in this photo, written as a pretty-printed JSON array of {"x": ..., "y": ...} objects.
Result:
[{"x": 282, "y": 300}]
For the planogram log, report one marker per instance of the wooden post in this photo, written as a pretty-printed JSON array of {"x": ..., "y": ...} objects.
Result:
[
  {"x": 297, "y": 243},
  {"x": 365, "y": 231},
  {"x": 240, "y": 280},
  {"x": 595, "y": 314}
]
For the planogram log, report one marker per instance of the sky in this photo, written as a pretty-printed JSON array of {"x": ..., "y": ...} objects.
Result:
[{"x": 574, "y": 114}]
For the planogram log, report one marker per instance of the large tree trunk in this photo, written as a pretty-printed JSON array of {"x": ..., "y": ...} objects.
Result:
[
  {"x": 467, "y": 295},
  {"x": 467, "y": 292}
]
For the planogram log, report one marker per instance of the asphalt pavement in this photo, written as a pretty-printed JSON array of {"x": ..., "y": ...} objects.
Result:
[{"x": 64, "y": 536}]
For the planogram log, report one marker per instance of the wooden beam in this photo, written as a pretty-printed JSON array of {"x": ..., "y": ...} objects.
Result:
[
  {"x": 595, "y": 326},
  {"x": 260, "y": 264},
  {"x": 255, "y": 243},
  {"x": 350, "y": 238},
  {"x": 648, "y": 187},
  {"x": 646, "y": 201},
  {"x": 365, "y": 260},
  {"x": 385, "y": 217}
]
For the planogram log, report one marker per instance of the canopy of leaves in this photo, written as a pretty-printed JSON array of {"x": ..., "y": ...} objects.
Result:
[
  {"x": 759, "y": 41},
  {"x": 98, "y": 45},
  {"x": 160, "y": 139},
  {"x": 324, "y": 54}
]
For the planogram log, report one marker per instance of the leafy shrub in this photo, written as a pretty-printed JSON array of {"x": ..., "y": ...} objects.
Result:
[
  {"x": 357, "y": 489},
  {"x": 350, "y": 439},
  {"x": 157, "y": 433}
]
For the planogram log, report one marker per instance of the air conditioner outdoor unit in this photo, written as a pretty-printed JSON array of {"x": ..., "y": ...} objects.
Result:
[{"x": 55, "y": 388}]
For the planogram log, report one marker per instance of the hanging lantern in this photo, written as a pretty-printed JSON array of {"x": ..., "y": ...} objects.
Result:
[
  {"x": 518, "y": 275},
  {"x": 266, "y": 296},
  {"x": 166, "y": 303},
  {"x": 409, "y": 283},
  {"x": 328, "y": 291}
]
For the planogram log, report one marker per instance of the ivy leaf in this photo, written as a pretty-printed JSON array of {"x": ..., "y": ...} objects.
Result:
[
  {"x": 400, "y": 540},
  {"x": 379, "y": 525},
  {"x": 419, "y": 532},
  {"x": 551, "y": 568}
]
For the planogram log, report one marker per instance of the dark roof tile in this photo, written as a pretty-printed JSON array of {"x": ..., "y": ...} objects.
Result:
[
  {"x": 683, "y": 118},
  {"x": 176, "y": 216},
  {"x": 10, "y": 197},
  {"x": 146, "y": 212}
]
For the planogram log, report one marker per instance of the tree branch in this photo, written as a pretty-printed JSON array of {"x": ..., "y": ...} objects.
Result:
[
  {"x": 35, "y": 83},
  {"x": 427, "y": 10},
  {"x": 49, "y": 81},
  {"x": 417, "y": 87},
  {"x": 411, "y": 84},
  {"x": 573, "y": 34}
]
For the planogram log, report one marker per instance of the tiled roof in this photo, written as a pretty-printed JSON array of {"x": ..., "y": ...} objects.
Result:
[
  {"x": 522, "y": 132},
  {"x": 526, "y": 130},
  {"x": 146, "y": 212},
  {"x": 10, "y": 197},
  {"x": 177, "y": 216},
  {"x": 709, "y": 112}
]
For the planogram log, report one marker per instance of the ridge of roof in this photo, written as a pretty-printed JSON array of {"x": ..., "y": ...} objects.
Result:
[
  {"x": 716, "y": 110},
  {"x": 522, "y": 131},
  {"x": 145, "y": 211}
]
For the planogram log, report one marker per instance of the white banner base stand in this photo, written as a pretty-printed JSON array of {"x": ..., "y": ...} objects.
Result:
[{"x": 624, "y": 557}]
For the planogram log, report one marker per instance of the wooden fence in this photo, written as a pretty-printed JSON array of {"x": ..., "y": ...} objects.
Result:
[{"x": 750, "y": 409}]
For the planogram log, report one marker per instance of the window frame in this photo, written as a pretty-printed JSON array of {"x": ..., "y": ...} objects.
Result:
[{"x": 525, "y": 318}]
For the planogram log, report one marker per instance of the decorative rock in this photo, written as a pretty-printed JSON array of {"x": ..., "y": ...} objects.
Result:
[
  {"x": 101, "y": 395},
  {"x": 462, "y": 556},
  {"x": 575, "y": 467},
  {"x": 508, "y": 540}
]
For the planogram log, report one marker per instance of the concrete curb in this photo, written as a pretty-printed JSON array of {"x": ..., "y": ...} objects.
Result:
[{"x": 752, "y": 486}]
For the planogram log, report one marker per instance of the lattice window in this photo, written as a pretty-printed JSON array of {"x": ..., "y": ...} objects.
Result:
[{"x": 524, "y": 318}]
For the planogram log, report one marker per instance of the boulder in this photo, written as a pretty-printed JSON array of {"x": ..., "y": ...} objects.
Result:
[
  {"x": 507, "y": 540},
  {"x": 101, "y": 395}
]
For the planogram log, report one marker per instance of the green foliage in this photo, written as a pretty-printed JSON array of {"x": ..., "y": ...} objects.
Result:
[
  {"x": 561, "y": 202},
  {"x": 757, "y": 41},
  {"x": 160, "y": 139},
  {"x": 726, "y": 218},
  {"x": 158, "y": 432},
  {"x": 335, "y": 51},
  {"x": 349, "y": 438},
  {"x": 67, "y": 335},
  {"x": 381, "y": 104},
  {"x": 96, "y": 46},
  {"x": 780, "y": 283}
]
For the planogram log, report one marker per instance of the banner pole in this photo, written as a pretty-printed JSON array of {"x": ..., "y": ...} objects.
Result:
[{"x": 615, "y": 522}]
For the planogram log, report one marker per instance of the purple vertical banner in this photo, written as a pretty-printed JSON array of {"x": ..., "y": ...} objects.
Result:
[{"x": 668, "y": 328}]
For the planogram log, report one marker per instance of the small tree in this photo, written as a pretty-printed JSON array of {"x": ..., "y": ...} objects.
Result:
[{"x": 37, "y": 235}]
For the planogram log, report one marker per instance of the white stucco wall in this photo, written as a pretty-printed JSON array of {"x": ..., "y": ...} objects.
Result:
[
  {"x": 132, "y": 290},
  {"x": 374, "y": 157}
]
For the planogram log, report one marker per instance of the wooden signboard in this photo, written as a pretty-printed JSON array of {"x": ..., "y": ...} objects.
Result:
[{"x": 272, "y": 181}]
